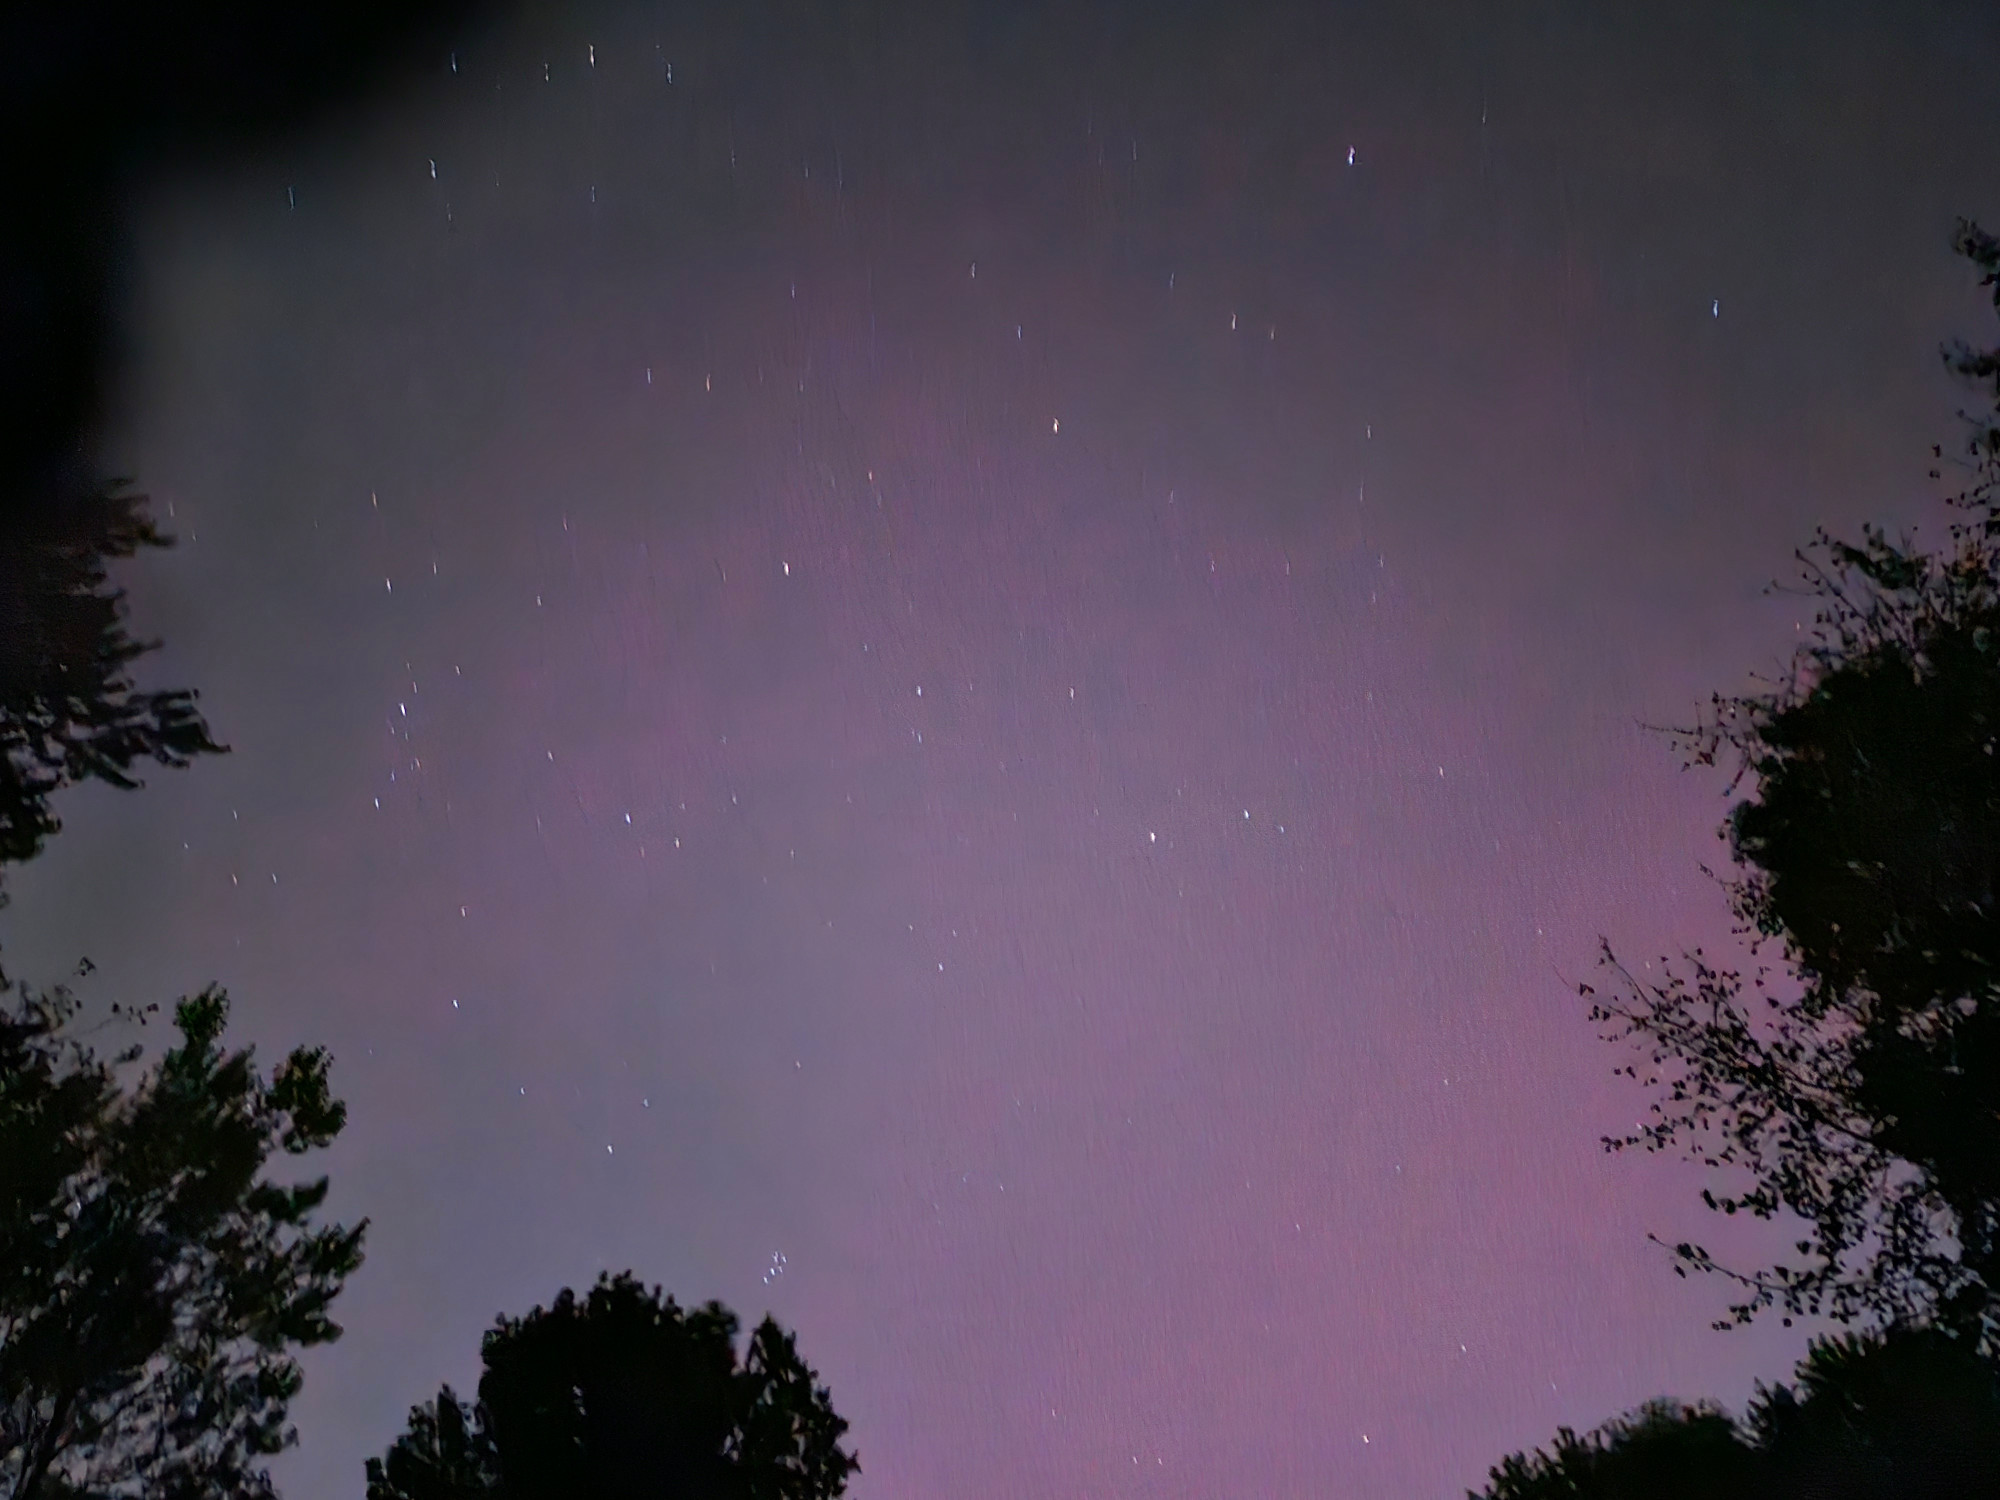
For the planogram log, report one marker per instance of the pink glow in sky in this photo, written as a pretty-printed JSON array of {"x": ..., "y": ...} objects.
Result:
[{"x": 1004, "y": 696}]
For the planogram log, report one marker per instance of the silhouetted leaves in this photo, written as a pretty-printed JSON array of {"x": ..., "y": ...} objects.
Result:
[
  {"x": 1980, "y": 367},
  {"x": 100, "y": 91},
  {"x": 152, "y": 1282},
  {"x": 1664, "y": 1451},
  {"x": 68, "y": 709},
  {"x": 624, "y": 1394},
  {"x": 447, "y": 1454},
  {"x": 1909, "y": 1414},
  {"x": 1859, "y": 1091}
]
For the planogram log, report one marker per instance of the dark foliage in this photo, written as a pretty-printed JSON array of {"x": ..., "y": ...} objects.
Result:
[
  {"x": 68, "y": 708},
  {"x": 1663, "y": 1451},
  {"x": 619, "y": 1395},
  {"x": 1910, "y": 1414},
  {"x": 1856, "y": 1093},
  {"x": 99, "y": 93},
  {"x": 447, "y": 1454},
  {"x": 153, "y": 1282}
]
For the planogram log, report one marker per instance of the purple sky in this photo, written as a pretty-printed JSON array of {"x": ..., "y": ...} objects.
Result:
[{"x": 978, "y": 680}]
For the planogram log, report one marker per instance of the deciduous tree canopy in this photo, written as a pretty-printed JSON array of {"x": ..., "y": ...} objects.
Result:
[
  {"x": 69, "y": 711},
  {"x": 620, "y": 1395},
  {"x": 1912, "y": 1414},
  {"x": 153, "y": 1282},
  {"x": 1856, "y": 1090}
]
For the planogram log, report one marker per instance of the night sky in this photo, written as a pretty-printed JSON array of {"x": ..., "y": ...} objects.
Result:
[{"x": 975, "y": 673}]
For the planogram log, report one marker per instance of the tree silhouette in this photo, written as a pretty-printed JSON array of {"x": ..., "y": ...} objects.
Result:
[
  {"x": 447, "y": 1454},
  {"x": 624, "y": 1394},
  {"x": 100, "y": 92},
  {"x": 1910, "y": 1412},
  {"x": 1906, "y": 1414},
  {"x": 1856, "y": 1090},
  {"x": 153, "y": 1282},
  {"x": 1663, "y": 1451},
  {"x": 68, "y": 708}
]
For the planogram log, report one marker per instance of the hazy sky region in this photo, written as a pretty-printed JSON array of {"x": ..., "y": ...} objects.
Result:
[{"x": 974, "y": 672}]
